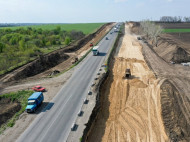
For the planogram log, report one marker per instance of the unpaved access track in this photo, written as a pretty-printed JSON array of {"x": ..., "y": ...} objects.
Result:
[{"x": 130, "y": 108}]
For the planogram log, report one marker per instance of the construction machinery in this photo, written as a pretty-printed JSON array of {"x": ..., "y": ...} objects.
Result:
[{"x": 127, "y": 73}]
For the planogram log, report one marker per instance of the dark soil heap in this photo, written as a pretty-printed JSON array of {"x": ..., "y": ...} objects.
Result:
[{"x": 7, "y": 109}]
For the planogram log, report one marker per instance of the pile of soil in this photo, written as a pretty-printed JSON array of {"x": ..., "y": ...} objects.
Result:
[
  {"x": 171, "y": 48},
  {"x": 7, "y": 109},
  {"x": 171, "y": 51}
]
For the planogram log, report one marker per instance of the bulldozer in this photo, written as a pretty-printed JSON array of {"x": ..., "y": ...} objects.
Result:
[{"x": 127, "y": 73}]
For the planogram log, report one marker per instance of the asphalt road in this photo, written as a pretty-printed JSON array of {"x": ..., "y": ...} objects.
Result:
[{"x": 54, "y": 123}]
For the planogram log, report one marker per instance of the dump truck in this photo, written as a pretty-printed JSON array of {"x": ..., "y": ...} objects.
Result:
[
  {"x": 34, "y": 101},
  {"x": 95, "y": 50},
  {"x": 127, "y": 73}
]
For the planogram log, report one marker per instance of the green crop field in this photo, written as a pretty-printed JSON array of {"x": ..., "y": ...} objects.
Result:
[
  {"x": 86, "y": 28},
  {"x": 176, "y": 30}
]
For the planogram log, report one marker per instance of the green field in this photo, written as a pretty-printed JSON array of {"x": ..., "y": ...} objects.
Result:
[
  {"x": 176, "y": 30},
  {"x": 86, "y": 28}
]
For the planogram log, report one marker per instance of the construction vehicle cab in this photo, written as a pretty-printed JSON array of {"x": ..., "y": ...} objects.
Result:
[{"x": 127, "y": 73}]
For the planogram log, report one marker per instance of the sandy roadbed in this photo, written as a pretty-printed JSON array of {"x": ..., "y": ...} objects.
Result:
[{"x": 131, "y": 108}]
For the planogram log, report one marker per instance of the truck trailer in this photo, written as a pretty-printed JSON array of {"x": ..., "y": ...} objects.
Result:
[
  {"x": 34, "y": 101},
  {"x": 95, "y": 50}
]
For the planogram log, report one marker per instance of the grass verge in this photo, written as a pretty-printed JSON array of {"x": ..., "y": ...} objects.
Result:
[{"x": 20, "y": 96}]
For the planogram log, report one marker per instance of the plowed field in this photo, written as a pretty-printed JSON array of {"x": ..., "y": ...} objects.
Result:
[{"x": 131, "y": 107}]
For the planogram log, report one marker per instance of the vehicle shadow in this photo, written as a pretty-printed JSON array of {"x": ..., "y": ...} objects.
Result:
[
  {"x": 102, "y": 54},
  {"x": 131, "y": 77},
  {"x": 44, "y": 107}
]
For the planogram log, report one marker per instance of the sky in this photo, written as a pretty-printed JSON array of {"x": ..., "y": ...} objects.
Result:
[{"x": 89, "y": 11}]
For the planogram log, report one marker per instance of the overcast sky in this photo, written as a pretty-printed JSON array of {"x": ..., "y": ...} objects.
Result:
[{"x": 89, "y": 11}]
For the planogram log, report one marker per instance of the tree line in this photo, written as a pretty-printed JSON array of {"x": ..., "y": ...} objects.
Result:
[
  {"x": 23, "y": 44},
  {"x": 151, "y": 31},
  {"x": 174, "y": 19}
]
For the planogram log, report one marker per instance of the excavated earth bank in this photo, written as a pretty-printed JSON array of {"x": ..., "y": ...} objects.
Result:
[
  {"x": 7, "y": 109},
  {"x": 173, "y": 47},
  {"x": 175, "y": 122}
]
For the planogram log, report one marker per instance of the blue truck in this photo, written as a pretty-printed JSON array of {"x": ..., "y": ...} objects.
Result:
[{"x": 34, "y": 101}]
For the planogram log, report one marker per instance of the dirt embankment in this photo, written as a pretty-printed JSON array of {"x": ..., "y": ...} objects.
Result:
[
  {"x": 174, "y": 95},
  {"x": 7, "y": 109},
  {"x": 171, "y": 47},
  {"x": 174, "y": 120},
  {"x": 130, "y": 108},
  {"x": 46, "y": 62}
]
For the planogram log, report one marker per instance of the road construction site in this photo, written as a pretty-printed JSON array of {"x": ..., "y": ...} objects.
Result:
[
  {"x": 152, "y": 105},
  {"x": 130, "y": 108}
]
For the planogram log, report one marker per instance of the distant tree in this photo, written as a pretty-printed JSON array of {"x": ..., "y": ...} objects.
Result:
[
  {"x": 151, "y": 30},
  {"x": 45, "y": 32},
  {"x": 48, "y": 43},
  {"x": 7, "y": 30},
  {"x": 67, "y": 40},
  {"x": 29, "y": 30},
  {"x": 22, "y": 46},
  {"x": 145, "y": 25},
  {"x": 169, "y": 19},
  {"x": 186, "y": 19},
  {"x": 59, "y": 42},
  {"x": 38, "y": 42},
  {"x": 1, "y": 47},
  {"x": 156, "y": 32},
  {"x": 75, "y": 35},
  {"x": 57, "y": 30},
  {"x": 39, "y": 31}
]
